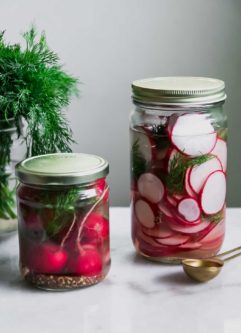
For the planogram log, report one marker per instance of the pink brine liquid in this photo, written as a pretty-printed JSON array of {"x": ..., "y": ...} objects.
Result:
[{"x": 178, "y": 188}]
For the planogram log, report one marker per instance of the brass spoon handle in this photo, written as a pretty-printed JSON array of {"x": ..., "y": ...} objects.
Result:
[
  {"x": 229, "y": 251},
  {"x": 234, "y": 256}
]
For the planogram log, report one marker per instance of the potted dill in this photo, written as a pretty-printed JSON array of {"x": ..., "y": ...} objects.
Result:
[{"x": 34, "y": 90}]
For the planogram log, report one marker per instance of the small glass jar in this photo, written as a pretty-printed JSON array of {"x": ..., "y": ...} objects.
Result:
[
  {"x": 178, "y": 167},
  {"x": 63, "y": 214},
  {"x": 10, "y": 154}
]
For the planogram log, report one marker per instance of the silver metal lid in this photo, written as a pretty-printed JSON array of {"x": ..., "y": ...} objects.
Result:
[
  {"x": 178, "y": 90},
  {"x": 62, "y": 169}
]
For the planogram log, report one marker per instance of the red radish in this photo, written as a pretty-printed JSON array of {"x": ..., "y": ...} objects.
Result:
[
  {"x": 144, "y": 214},
  {"x": 96, "y": 228},
  {"x": 177, "y": 239},
  {"x": 199, "y": 173},
  {"x": 173, "y": 153},
  {"x": 146, "y": 144},
  {"x": 100, "y": 185},
  {"x": 87, "y": 263},
  {"x": 161, "y": 230},
  {"x": 213, "y": 193},
  {"x": 147, "y": 239},
  {"x": 215, "y": 233},
  {"x": 189, "y": 209},
  {"x": 193, "y": 135},
  {"x": 178, "y": 197},
  {"x": 47, "y": 259},
  {"x": 188, "y": 188},
  {"x": 220, "y": 150},
  {"x": 165, "y": 208},
  {"x": 190, "y": 246},
  {"x": 191, "y": 229},
  {"x": 171, "y": 200},
  {"x": 151, "y": 187}
]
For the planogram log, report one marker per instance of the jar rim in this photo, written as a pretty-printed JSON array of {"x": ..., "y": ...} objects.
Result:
[
  {"x": 62, "y": 169},
  {"x": 178, "y": 90}
]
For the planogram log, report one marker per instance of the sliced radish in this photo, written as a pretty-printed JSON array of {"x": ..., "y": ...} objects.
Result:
[
  {"x": 193, "y": 135},
  {"x": 145, "y": 214},
  {"x": 187, "y": 186},
  {"x": 178, "y": 197},
  {"x": 190, "y": 246},
  {"x": 199, "y": 173},
  {"x": 161, "y": 230},
  {"x": 171, "y": 200},
  {"x": 220, "y": 150},
  {"x": 171, "y": 155},
  {"x": 151, "y": 187},
  {"x": 216, "y": 232},
  {"x": 165, "y": 208},
  {"x": 149, "y": 240},
  {"x": 146, "y": 145},
  {"x": 177, "y": 239},
  {"x": 189, "y": 209},
  {"x": 213, "y": 193},
  {"x": 188, "y": 229}
]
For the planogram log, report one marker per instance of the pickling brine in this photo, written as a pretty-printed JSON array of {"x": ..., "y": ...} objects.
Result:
[{"x": 178, "y": 177}]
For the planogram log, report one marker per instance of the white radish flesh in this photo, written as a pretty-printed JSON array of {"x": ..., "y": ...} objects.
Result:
[
  {"x": 193, "y": 135},
  {"x": 159, "y": 231},
  {"x": 189, "y": 209},
  {"x": 144, "y": 214},
  {"x": 220, "y": 150},
  {"x": 146, "y": 145},
  {"x": 199, "y": 173},
  {"x": 213, "y": 193},
  {"x": 177, "y": 239},
  {"x": 151, "y": 187}
]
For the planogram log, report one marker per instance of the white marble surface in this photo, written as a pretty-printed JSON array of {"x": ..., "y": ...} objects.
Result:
[{"x": 137, "y": 296}]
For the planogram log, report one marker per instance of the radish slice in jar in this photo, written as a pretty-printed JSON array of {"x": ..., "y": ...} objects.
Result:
[
  {"x": 176, "y": 239},
  {"x": 151, "y": 187},
  {"x": 187, "y": 186},
  {"x": 220, "y": 150},
  {"x": 213, "y": 193},
  {"x": 193, "y": 135},
  {"x": 145, "y": 214},
  {"x": 188, "y": 230},
  {"x": 215, "y": 233},
  {"x": 190, "y": 246},
  {"x": 147, "y": 147},
  {"x": 199, "y": 173},
  {"x": 189, "y": 209},
  {"x": 165, "y": 208},
  {"x": 171, "y": 200},
  {"x": 161, "y": 230}
]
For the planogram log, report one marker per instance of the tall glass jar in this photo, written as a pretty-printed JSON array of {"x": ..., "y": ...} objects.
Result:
[
  {"x": 10, "y": 154},
  {"x": 63, "y": 213},
  {"x": 178, "y": 167}
]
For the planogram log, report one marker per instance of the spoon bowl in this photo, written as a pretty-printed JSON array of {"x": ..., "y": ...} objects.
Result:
[{"x": 202, "y": 270}]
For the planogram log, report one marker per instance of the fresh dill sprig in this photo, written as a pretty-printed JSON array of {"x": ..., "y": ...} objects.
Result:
[
  {"x": 138, "y": 163},
  {"x": 215, "y": 218},
  {"x": 178, "y": 166}
]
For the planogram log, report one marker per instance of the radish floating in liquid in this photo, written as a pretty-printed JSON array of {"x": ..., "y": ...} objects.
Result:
[
  {"x": 151, "y": 187},
  {"x": 220, "y": 150},
  {"x": 145, "y": 214}
]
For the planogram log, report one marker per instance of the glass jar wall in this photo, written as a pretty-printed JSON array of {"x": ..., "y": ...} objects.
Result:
[
  {"x": 63, "y": 229},
  {"x": 179, "y": 164}
]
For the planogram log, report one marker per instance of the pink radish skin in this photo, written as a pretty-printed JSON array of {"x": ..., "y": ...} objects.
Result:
[
  {"x": 172, "y": 201},
  {"x": 220, "y": 151},
  {"x": 198, "y": 174},
  {"x": 159, "y": 231},
  {"x": 146, "y": 144},
  {"x": 215, "y": 233},
  {"x": 151, "y": 187},
  {"x": 178, "y": 197},
  {"x": 189, "y": 209},
  {"x": 190, "y": 246},
  {"x": 175, "y": 240},
  {"x": 193, "y": 135},
  {"x": 188, "y": 230},
  {"x": 145, "y": 214},
  {"x": 165, "y": 209},
  {"x": 188, "y": 188},
  {"x": 146, "y": 238},
  {"x": 213, "y": 193}
]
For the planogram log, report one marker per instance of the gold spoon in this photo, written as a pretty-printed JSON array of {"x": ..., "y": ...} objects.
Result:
[{"x": 203, "y": 270}]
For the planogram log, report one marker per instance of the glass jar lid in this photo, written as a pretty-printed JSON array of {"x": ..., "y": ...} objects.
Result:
[
  {"x": 178, "y": 90},
  {"x": 62, "y": 169}
]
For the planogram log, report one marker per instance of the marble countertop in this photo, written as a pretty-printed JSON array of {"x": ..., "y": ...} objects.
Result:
[{"x": 137, "y": 296}]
